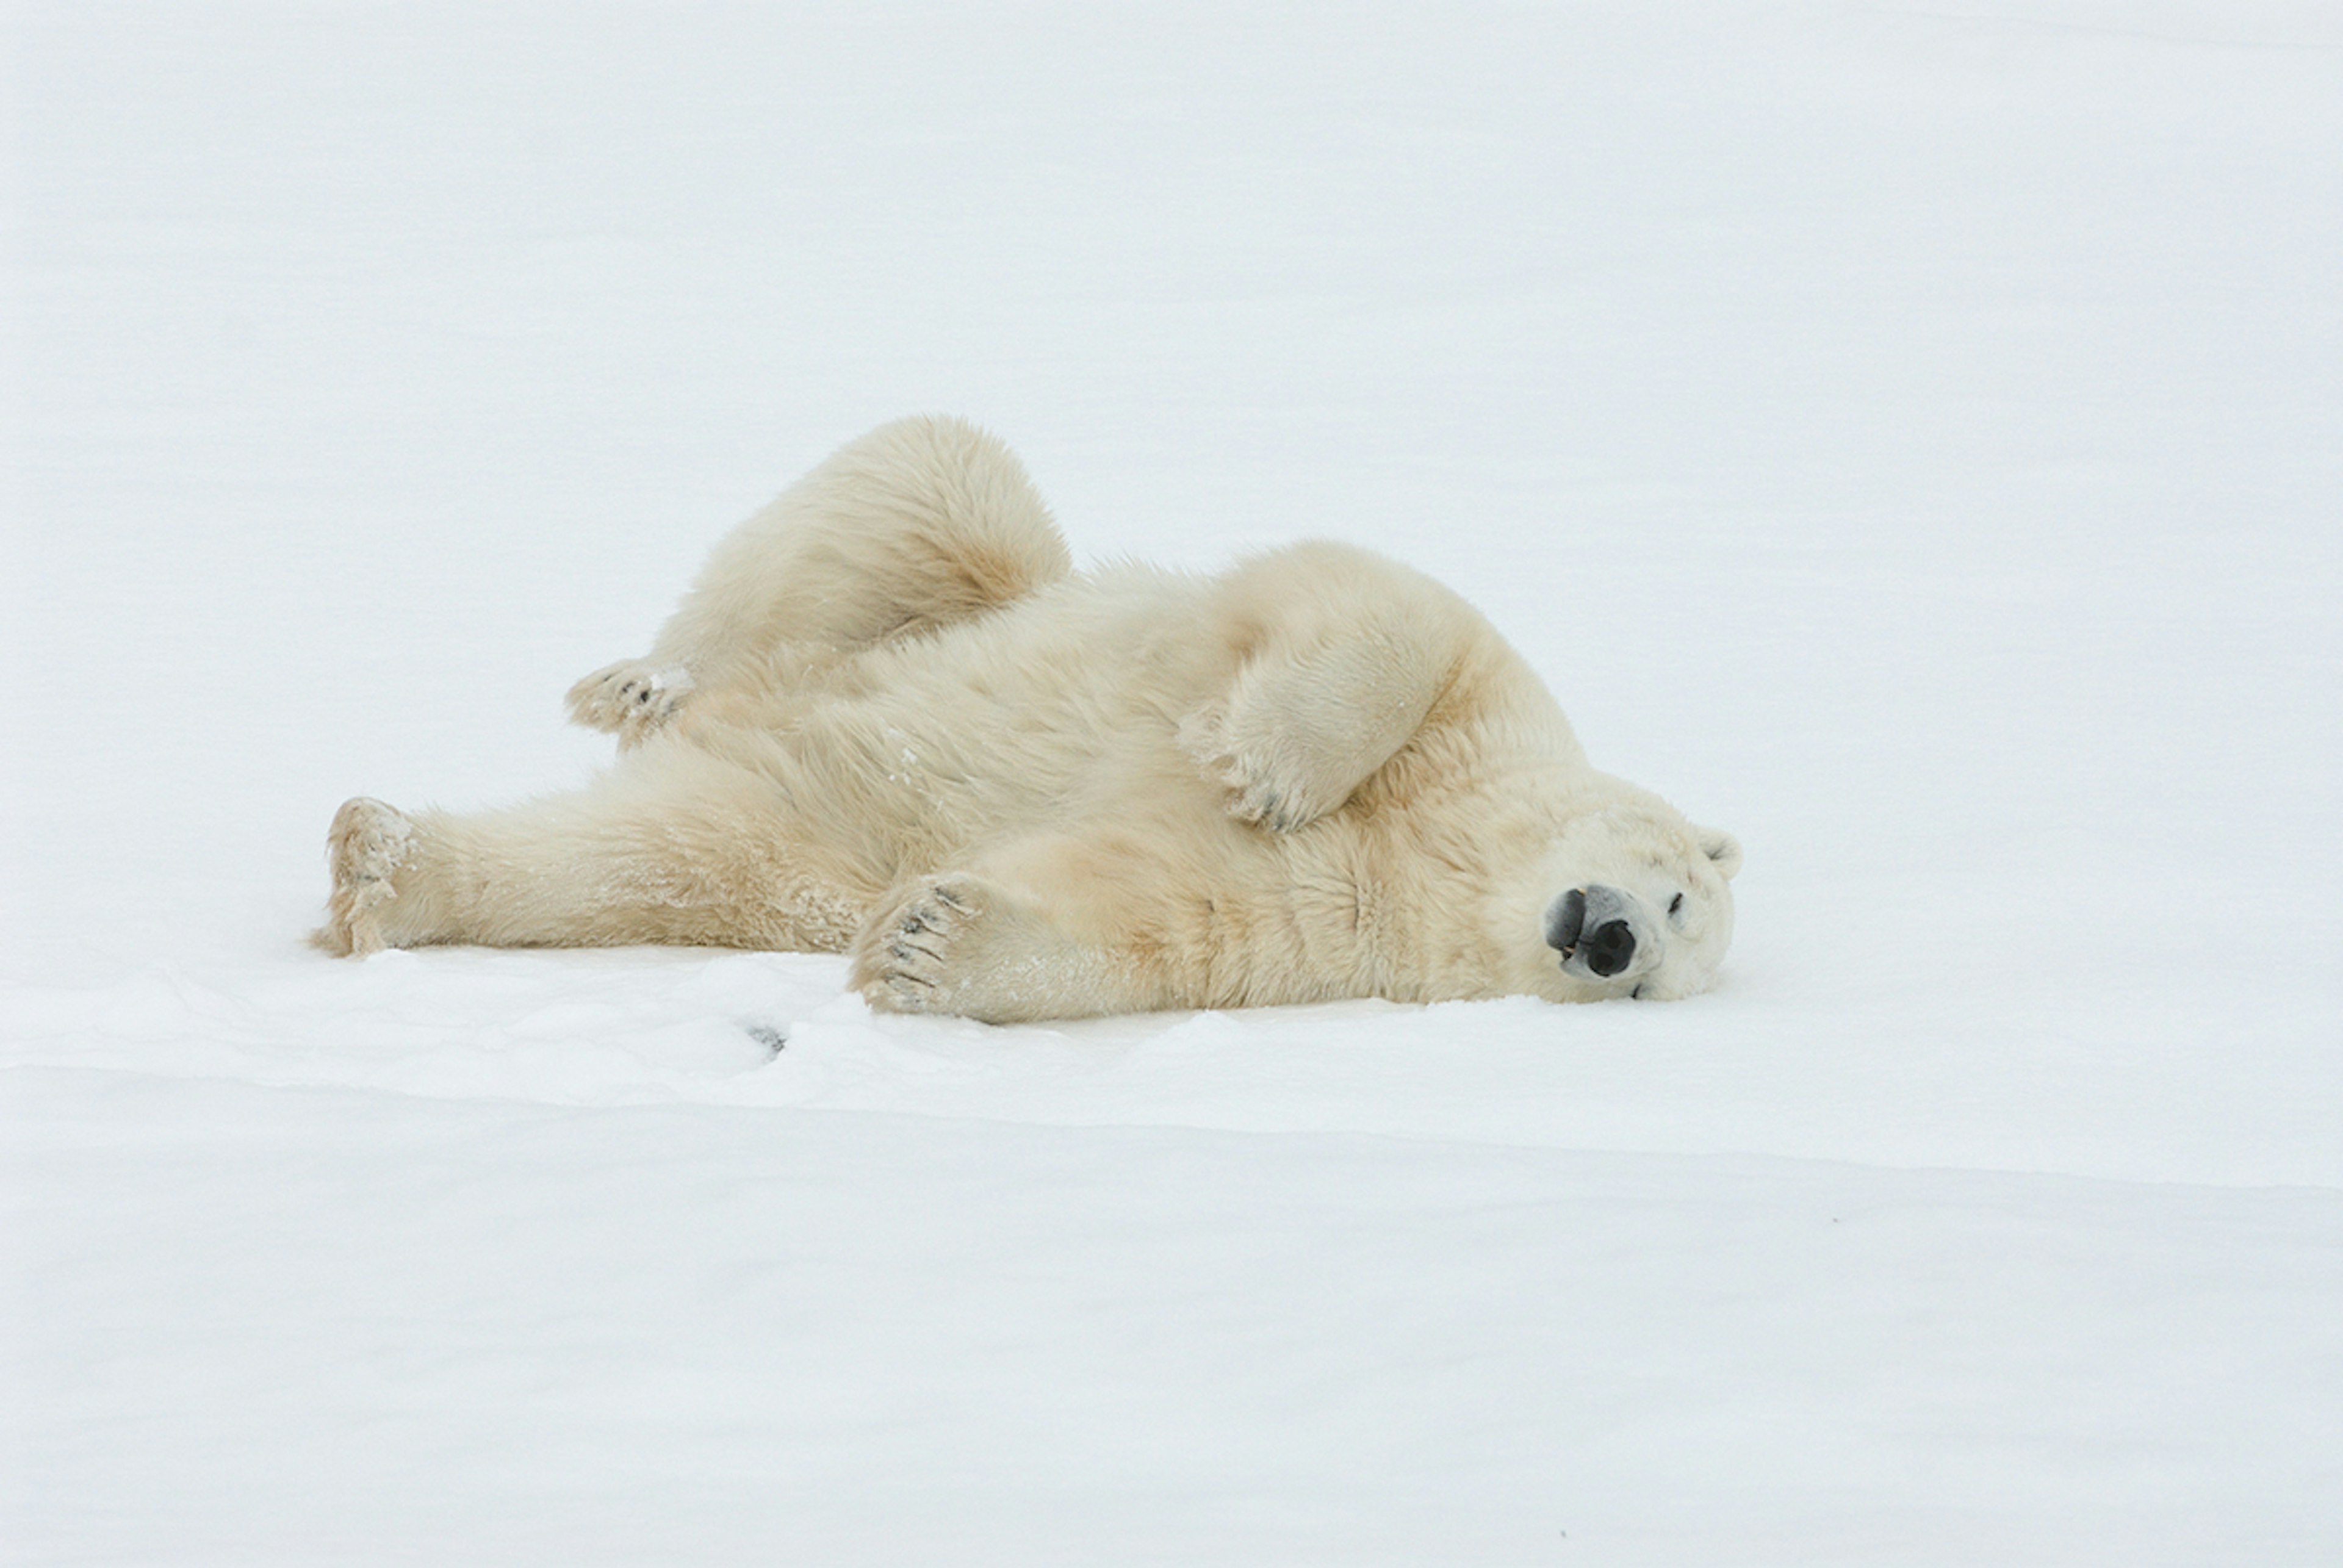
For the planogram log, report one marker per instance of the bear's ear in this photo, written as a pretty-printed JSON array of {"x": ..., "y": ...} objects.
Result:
[{"x": 1721, "y": 848}]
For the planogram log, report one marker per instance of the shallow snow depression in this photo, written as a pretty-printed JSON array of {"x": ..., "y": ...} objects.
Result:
[{"x": 1911, "y": 438}]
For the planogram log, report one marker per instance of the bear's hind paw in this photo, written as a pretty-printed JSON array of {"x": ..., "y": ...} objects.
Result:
[
  {"x": 367, "y": 842},
  {"x": 629, "y": 700}
]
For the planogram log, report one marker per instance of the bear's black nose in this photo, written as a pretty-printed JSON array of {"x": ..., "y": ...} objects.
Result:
[{"x": 1611, "y": 949}]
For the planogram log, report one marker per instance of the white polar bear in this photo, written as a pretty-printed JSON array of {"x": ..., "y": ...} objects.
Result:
[{"x": 890, "y": 720}]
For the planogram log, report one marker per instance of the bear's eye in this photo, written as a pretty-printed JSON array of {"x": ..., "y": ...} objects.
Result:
[{"x": 1676, "y": 905}]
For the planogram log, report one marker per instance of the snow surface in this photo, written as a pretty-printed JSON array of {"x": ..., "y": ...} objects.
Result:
[{"x": 1910, "y": 436}]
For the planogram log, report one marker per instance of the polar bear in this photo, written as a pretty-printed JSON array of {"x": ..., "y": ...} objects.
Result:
[{"x": 890, "y": 720}]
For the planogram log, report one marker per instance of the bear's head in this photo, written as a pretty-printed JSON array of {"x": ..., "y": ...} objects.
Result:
[{"x": 1631, "y": 900}]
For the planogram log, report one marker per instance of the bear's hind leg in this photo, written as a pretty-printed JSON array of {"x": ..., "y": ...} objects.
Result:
[
  {"x": 683, "y": 851},
  {"x": 364, "y": 848},
  {"x": 915, "y": 526},
  {"x": 632, "y": 699}
]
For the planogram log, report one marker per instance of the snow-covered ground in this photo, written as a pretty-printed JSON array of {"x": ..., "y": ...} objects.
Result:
[{"x": 1910, "y": 436}]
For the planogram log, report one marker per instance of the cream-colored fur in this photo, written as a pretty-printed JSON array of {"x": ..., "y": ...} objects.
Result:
[{"x": 890, "y": 720}]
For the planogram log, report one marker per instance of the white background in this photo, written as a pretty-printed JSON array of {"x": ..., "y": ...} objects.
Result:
[{"x": 1909, "y": 436}]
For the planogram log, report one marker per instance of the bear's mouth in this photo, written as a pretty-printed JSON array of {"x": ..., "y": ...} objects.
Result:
[
  {"x": 1566, "y": 919},
  {"x": 1589, "y": 927}
]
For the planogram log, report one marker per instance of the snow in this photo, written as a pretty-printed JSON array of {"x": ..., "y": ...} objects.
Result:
[{"x": 1908, "y": 437}]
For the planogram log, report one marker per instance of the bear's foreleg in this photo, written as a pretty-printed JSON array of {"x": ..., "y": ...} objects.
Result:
[
  {"x": 1352, "y": 663},
  {"x": 1133, "y": 916},
  {"x": 1058, "y": 925},
  {"x": 1299, "y": 731},
  {"x": 963, "y": 944}
]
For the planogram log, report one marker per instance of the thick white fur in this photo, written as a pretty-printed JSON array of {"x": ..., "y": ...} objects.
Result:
[{"x": 890, "y": 720}]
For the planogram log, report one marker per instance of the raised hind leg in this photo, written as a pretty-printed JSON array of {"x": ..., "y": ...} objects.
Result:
[
  {"x": 673, "y": 847},
  {"x": 914, "y": 525}
]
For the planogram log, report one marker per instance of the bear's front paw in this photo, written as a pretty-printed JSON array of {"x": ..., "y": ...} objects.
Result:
[
  {"x": 958, "y": 944},
  {"x": 904, "y": 962},
  {"x": 629, "y": 700},
  {"x": 1251, "y": 788},
  {"x": 367, "y": 844}
]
